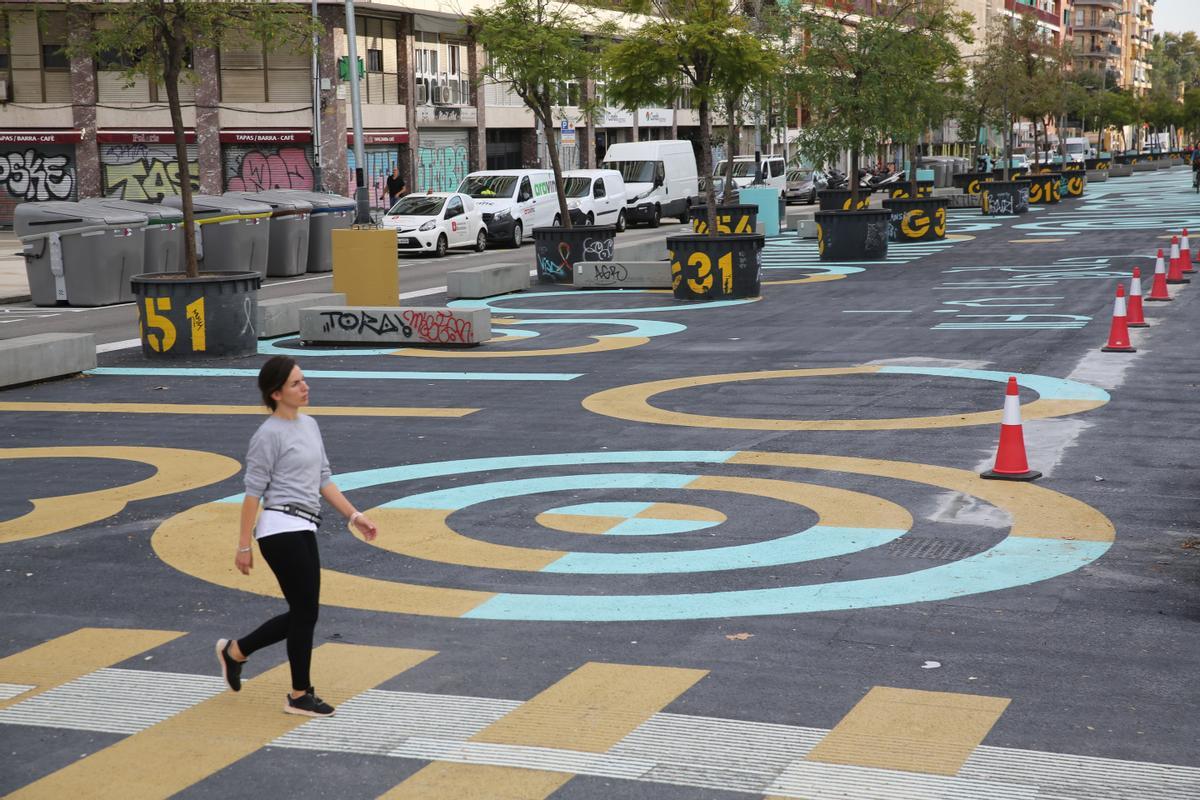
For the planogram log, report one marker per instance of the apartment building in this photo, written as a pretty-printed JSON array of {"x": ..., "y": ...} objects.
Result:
[
  {"x": 1113, "y": 39},
  {"x": 72, "y": 128}
]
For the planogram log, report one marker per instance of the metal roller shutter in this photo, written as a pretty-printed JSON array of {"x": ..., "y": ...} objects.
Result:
[
  {"x": 442, "y": 160},
  {"x": 258, "y": 167},
  {"x": 379, "y": 159},
  {"x": 144, "y": 172},
  {"x": 35, "y": 173}
]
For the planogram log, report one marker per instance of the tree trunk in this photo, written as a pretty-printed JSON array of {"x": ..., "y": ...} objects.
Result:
[
  {"x": 547, "y": 116},
  {"x": 174, "y": 66},
  {"x": 914, "y": 188},
  {"x": 854, "y": 155},
  {"x": 706, "y": 165},
  {"x": 1007, "y": 144},
  {"x": 730, "y": 148}
]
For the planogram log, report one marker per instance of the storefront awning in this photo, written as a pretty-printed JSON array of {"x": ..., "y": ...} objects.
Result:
[
  {"x": 266, "y": 136},
  {"x": 41, "y": 136},
  {"x": 155, "y": 136}
]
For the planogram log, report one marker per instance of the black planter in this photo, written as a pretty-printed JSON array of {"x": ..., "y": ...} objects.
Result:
[
  {"x": 1004, "y": 198},
  {"x": 1045, "y": 189},
  {"x": 1073, "y": 183},
  {"x": 920, "y": 220},
  {"x": 1074, "y": 166},
  {"x": 202, "y": 317},
  {"x": 557, "y": 249},
  {"x": 716, "y": 267},
  {"x": 971, "y": 182},
  {"x": 1098, "y": 163},
  {"x": 900, "y": 190},
  {"x": 839, "y": 199},
  {"x": 731, "y": 219},
  {"x": 853, "y": 235},
  {"x": 998, "y": 174}
]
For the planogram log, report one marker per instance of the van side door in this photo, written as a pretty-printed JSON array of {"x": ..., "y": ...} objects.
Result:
[{"x": 524, "y": 209}]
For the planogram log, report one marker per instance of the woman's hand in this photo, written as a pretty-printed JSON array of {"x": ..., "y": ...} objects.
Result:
[
  {"x": 244, "y": 561},
  {"x": 360, "y": 523}
]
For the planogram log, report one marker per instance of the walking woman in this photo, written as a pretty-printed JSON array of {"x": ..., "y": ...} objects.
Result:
[{"x": 286, "y": 469}]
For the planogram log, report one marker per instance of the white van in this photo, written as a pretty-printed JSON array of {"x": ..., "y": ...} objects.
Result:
[
  {"x": 660, "y": 178},
  {"x": 595, "y": 197},
  {"x": 513, "y": 201},
  {"x": 774, "y": 172}
]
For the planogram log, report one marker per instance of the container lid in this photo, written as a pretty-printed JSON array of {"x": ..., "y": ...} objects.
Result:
[
  {"x": 319, "y": 200},
  {"x": 277, "y": 200},
  {"x": 156, "y": 213},
  {"x": 215, "y": 205},
  {"x": 32, "y": 218}
]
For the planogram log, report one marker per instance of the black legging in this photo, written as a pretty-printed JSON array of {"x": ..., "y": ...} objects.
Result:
[{"x": 293, "y": 558}]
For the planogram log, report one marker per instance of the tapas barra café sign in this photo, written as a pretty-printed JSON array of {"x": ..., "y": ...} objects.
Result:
[
  {"x": 40, "y": 137},
  {"x": 265, "y": 137}
]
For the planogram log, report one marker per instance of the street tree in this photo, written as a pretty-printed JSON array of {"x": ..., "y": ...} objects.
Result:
[
  {"x": 850, "y": 72},
  {"x": 928, "y": 75},
  {"x": 155, "y": 39},
  {"x": 1000, "y": 77},
  {"x": 699, "y": 45},
  {"x": 532, "y": 46}
]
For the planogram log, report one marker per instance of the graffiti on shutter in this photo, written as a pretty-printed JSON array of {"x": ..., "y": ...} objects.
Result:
[
  {"x": 442, "y": 160},
  {"x": 258, "y": 167},
  {"x": 46, "y": 172},
  {"x": 144, "y": 172}
]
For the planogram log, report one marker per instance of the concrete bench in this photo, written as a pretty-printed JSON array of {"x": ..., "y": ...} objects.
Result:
[
  {"x": 279, "y": 316},
  {"x": 642, "y": 251},
  {"x": 381, "y": 325},
  {"x": 966, "y": 200},
  {"x": 623, "y": 275},
  {"x": 806, "y": 228},
  {"x": 1120, "y": 171},
  {"x": 1145, "y": 166},
  {"x": 1097, "y": 175},
  {"x": 45, "y": 355},
  {"x": 487, "y": 281}
]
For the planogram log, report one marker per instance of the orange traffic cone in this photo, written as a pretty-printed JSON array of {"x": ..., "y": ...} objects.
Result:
[
  {"x": 1118, "y": 332},
  {"x": 1135, "y": 317},
  {"x": 1011, "y": 464},
  {"x": 1158, "y": 287},
  {"x": 1185, "y": 254},
  {"x": 1175, "y": 266}
]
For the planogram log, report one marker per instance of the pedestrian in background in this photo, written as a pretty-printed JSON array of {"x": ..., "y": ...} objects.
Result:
[
  {"x": 287, "y": 471},
  {"x": 395, "y": 186}
]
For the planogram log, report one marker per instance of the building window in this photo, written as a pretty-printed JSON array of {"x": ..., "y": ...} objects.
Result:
[
  {"x": 252, "y": 74},
  {"x": 379, "y": 43},
  {"x": 440, "y": 69}
]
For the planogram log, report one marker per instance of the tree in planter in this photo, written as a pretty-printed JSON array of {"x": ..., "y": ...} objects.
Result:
[
  {"x": 928, "y": 76},
  {"x": 998, "y": 78},
  {"x": 154, "y": 39},
  {"x": 532, "y": 45},
  {"x": 850, "y": 72},
  {"x": 699, "y": 44}
]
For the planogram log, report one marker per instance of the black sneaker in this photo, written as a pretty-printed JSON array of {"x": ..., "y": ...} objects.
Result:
[
  {"x": 231, "y": 668},
  {"x": 308, "y": 705}
]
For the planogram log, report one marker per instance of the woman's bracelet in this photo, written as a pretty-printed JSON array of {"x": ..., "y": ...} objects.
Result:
[
  {"x": 355, "y": 516},
  {"x": 244, "y": 549}
]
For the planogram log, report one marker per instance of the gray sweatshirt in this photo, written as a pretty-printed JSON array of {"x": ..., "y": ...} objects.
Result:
[{"x": 286, "y": 463}]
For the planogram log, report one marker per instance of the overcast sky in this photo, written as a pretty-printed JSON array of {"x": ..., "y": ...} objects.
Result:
[{"x": 1177, "y": 15}]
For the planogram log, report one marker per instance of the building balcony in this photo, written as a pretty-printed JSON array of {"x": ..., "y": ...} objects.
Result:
[
  {"x": 1115, "y": 5},
  {"x": 1099, "y": 25}
]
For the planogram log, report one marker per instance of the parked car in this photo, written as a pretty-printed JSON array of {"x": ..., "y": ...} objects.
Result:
[
  {"x": 595, "y": 197},
  {"x": 513, "y": 201},
  {"x": 660, "y": 178},
  {"x": 773, "y": 168},
  {"x": 803, "y": 185},
  {"x": 436, "y": 222}
]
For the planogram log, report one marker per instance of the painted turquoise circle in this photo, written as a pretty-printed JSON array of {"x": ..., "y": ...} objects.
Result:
[
  {"x": 1014, "y": 561},
  {"x": 492, "y": 304},
  {"x": 631, "y": 524}
]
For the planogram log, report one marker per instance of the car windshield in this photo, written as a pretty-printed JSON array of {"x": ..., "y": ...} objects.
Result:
[
  {"x": 1074, "y": 147},
  {"x": 418, "y": 205},
  {"x": 484, "y": 186},
  {"x": 795, "y": 175},
  {"x": 741, "y": 169},
  {"x": 577, "y": 187},
  {"x": 634, "y": 171}
]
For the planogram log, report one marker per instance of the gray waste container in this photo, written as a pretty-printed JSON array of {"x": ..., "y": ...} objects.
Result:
[
  {"x": 287, "y": 254},
  {"x": 234, "y": 232},
  {"x": 80, "y": 254},
  {"x": 164, "y": 232},
  {"x": 329, "y": 212}
]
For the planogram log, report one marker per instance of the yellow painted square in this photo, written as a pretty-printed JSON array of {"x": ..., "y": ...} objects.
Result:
[{"x": 910, "y": 730}]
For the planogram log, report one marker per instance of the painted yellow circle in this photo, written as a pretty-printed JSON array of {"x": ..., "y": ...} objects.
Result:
[
  {"x": 633, "y": 403},
  {"x": 577, "y": 523}
]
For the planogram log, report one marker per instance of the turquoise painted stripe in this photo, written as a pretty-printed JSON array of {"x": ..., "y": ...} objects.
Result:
[
  {"x": 1047, "y": 388},
  {"x": 815, "y": 543},
  {"x": 463, "y": 496},
  {"x": 365, "y": 375},
  {"x": 640, "y": 327},
  {"x": 490, "y": 304},
  {"x": 271, "y": 347},
  {"x": 1015, "y": 561},
  {"x": 643, "y": 526},
  {"x": 607, "y": 509}
]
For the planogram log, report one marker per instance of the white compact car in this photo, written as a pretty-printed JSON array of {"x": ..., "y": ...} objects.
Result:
[{"x": 435, "y": 222}]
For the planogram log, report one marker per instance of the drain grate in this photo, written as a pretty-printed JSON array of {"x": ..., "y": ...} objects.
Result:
[{"x": 933, "y": 549}]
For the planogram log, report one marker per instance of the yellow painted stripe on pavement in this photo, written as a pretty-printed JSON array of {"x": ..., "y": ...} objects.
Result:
[
  {"x": 598, "y": 345},
  {"x": 841, "y": 508},
  {"x": 187, "y": 748},
  {"x": 578, "y": 523},
  {"x": 74, "y": 655},
  {"x": 199, "y": 408},
  {"x": 681, "y": 511},
  {"x": 423, "y": 533},
  {"x": 588, "y": 711},
  {"x": 910, "y": 730}
]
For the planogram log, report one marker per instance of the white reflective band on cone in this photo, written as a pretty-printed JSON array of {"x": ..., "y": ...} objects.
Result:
[
  {"x": 1160, "y": 266},
  {"x": 1135, "y": 287},
  {"x": 1012, "y": 410},
  {"x": 1174, "y": 250},
  {"x": 1119, "y": 307}
]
